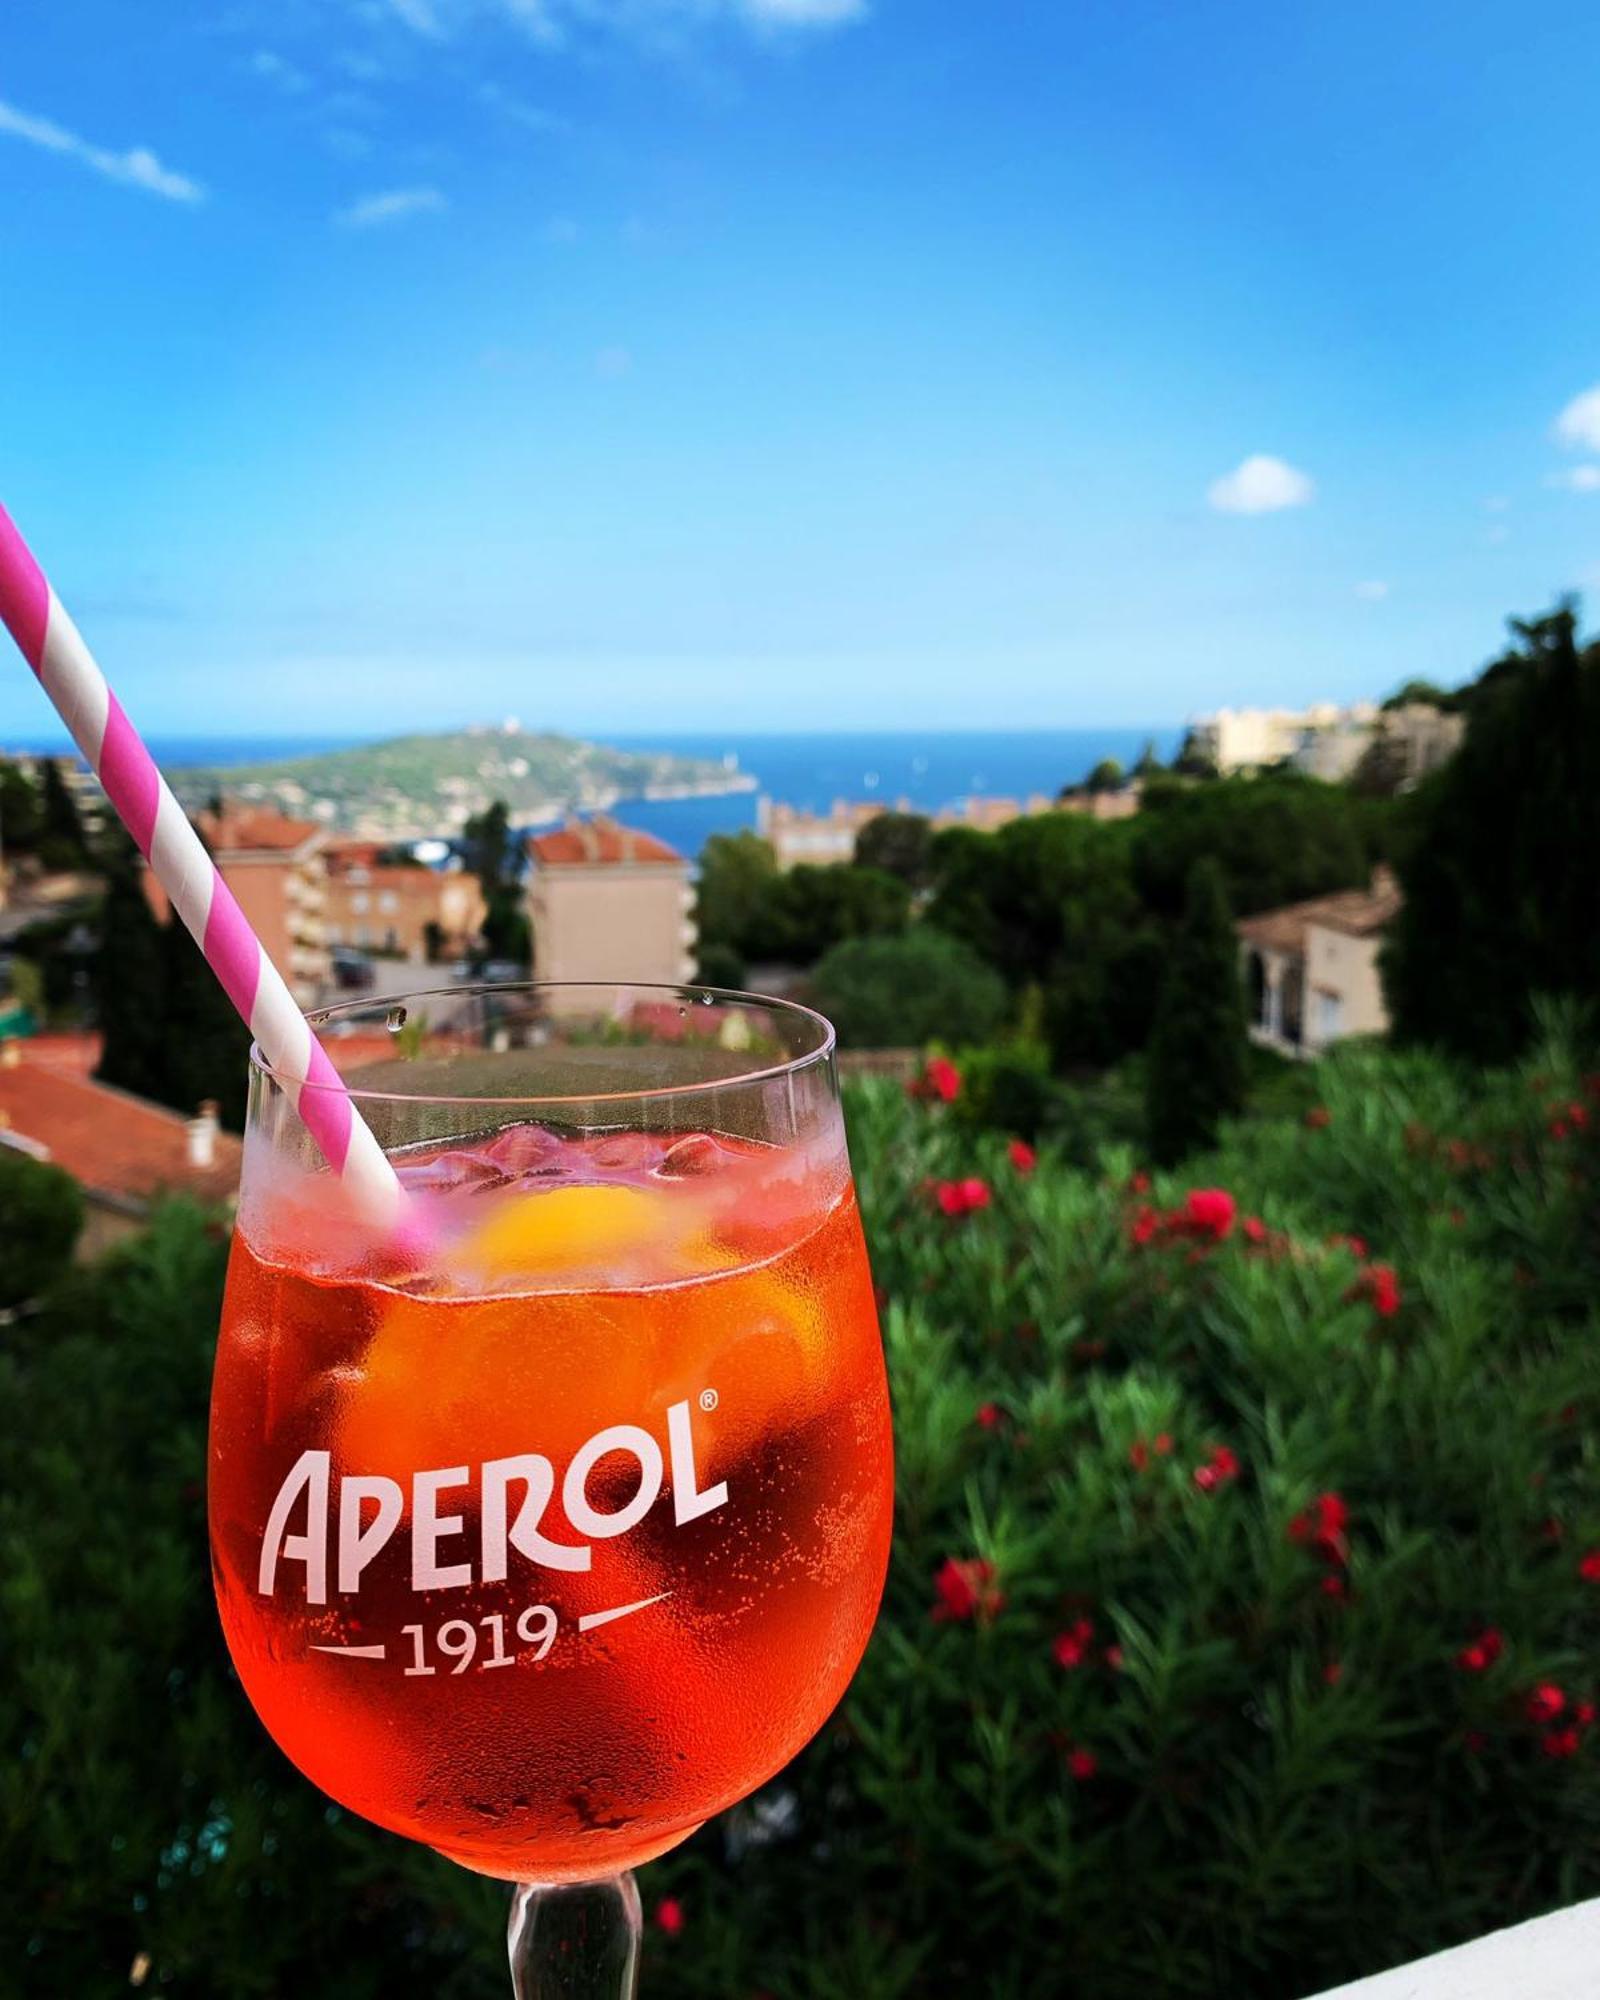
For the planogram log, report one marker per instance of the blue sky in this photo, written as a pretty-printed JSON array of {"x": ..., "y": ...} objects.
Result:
[{"x": 647, "y": 364}]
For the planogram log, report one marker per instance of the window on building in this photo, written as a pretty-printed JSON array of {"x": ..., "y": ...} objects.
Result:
[
  {"x": 388, "y": 902},
  {"x": 361, "y": 903},
  {"x": 1330, "y": 1015}
]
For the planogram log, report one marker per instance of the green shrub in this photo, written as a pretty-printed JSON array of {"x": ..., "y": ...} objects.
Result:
[
  {"x": 41, "y": 1217},
  {"x": 1221, "y": 1717},
  {"x": 906, "y": 990}
]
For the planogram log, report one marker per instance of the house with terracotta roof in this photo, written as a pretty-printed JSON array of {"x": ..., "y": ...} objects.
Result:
[
  {"x": 277, "y": 870},
  {"x": 123, "y": 1151},
  {"x": 606, "y": 902},
  {"x": 375, "y": 904},
  {"x": 1311, "y": 968}
]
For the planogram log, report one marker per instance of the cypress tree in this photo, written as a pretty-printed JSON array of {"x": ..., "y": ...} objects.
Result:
[
  {"x": 62, "y": 842},
  {"x": 1498, "y": 867},
  {"x": 1197, "y": 1069},
  {"x": 130, "y": 980},
  {"x": 206, "y": 1046}
]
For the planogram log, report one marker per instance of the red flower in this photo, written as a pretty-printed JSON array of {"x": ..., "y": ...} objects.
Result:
[
  {"x": 1070, "y": 1647},
  {"x": 1143, "y": 1226},
  {"x": 1322, "y": 1524},
  {"x": 1334, "y": 1586},
  {"x": 1318, "y": 1118},
  {"x": 1589, "y": 1568},
  {"x": 1082, "y": 1764},
  {"x": 1218, "y": 1469},
  {"x": 1210, "y": 1212},
  {"x": 1482, "y": 1652},
  {"x": 1114, "y": 1659},
  {"x": 1356, "y": 1245},
  {"x": 1163, "y": 1444},
  {"x": 1333, "y": 1672},
  {"x": 1546, "y": 1702},
  {"x": 1139, "y": 1183},
  {"x": 967, "y": 1589},
  {"x": 1559, "y": 1129},
  {"x": 1254, "y": 1229},
  {"x": 1578, "y": 1117},
  {"x": 1560, "y": 1743},
  {"x": 1022, "y": 1156},
  {"x": 957, "y": 1198},
  {"x": 941, "y": 1079},
  {"x": 1379, "y": 1286},
  {"x": 1583, "y": 1714},
  {"x": 988, "y": 1416},
  {"x": 1138, "y": 1454},
  {"x": 669, "y": 1915}
]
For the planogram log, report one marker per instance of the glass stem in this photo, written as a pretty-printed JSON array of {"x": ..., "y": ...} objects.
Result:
[{"x": 575, "y": 1941}]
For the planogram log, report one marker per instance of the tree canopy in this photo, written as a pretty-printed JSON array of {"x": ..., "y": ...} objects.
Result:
[
  {"x": 1197, "y": 1069},
  {"x": 897, "y": 843},
  {"x": 906, "y": 990}
]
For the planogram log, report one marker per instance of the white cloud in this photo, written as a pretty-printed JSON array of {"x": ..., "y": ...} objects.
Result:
[
  {"x": 276, "y": 69},
  {"x": 1372, "y": 591},
  {"x": 419, "y": 16},
  {"x": 803, "y": 13},
  {"x": 1578, "y": 426},
  {"x": 1261, "y": 485},
  {"x": 393, "y": 206},
  {"x": 553, "y": 21},
  {"x": 529, "y": 116},
  {"x": 1578, "y": 479},
  {"x": 611, "y": 363},
  {"x": 138, "y": 167}
]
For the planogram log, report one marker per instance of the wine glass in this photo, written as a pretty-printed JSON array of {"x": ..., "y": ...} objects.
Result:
[{"x": 556, "y": 1522}]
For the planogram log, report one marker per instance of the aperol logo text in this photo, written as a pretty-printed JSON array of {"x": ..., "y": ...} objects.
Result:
[{"x": 345, "y": 1531}]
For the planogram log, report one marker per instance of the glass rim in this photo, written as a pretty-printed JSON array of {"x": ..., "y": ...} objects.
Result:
[{"x": 318, "y": 1018}]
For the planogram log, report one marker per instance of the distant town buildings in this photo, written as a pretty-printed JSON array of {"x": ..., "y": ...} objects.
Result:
[
  {"x": 1329, "y": 742},
  {"x": 824, "y": 838},
  {"x": 606, "y": 902},
  {"x": 123, "y": 1151},
  {"x": 1312, "y": 968},
  {"x": 398, "y": 907},
  {"x": 277, "y": 871}
]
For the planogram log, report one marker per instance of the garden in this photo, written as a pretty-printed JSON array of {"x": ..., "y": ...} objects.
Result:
[{"x": 1240, "y": 1635}]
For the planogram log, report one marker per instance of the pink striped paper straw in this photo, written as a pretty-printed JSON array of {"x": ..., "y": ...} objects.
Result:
[{"x": 52, "y": 646}]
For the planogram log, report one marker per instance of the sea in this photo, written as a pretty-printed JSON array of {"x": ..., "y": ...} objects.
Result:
[{"x": 930, "y": 770}]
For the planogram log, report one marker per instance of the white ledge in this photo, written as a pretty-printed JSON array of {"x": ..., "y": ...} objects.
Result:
[{"x": 1551, "y": 1958}]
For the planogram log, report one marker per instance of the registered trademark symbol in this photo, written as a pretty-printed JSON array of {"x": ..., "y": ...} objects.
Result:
[{"x": 708, "y": 1399}]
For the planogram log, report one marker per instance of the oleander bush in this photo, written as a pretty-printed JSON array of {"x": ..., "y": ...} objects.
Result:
[{"x": 1242, "y": 1631}]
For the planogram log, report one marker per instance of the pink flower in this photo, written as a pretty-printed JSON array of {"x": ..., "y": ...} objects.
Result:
[
  {"x": 1253, "y": 1229},
  {"x": 1589, "y": 1567},
  {"x": 1218, "y": 1469},
  {"x": 1082, "y": 1764},
  {"x": 669, "y": 1915},
  {"x": 1546, "y": 1702},
  {"x": 1022, "y": 1156},
  {"x": 957, "y": 1198},
  {"x": 1561, "y": 1743},
  {"x": 1482, "y": 1652},
  {"x": 1210, "y": 1212}
]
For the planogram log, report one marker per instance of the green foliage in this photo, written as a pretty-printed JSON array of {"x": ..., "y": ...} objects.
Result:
[
  {"x": 21, "y": 810},
  {"x": 735, "y": 891},
  {"x": 1107, "y": 776},
  {"x": 720, "y": 965},
  {"x": 205, "y": 1047},
  {"x": 1249, "y": 1825},
  {"x": 41, "y": 1217},
  {"x": 61, "y": 838},
  {"x": 897, "y": 843},
  {"x": 1278, "y": 838},
  {"x": 1498, "y": 867},
  {"x": 907, "y": 990},
  {"x": 1427, "y": 694},
  {"x": 131, "y": 982},
  {"x": 1199, "y": 1053}
]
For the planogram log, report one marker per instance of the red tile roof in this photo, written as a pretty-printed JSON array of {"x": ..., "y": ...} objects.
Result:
[
  {"x": 599, "y": 843},
  {"x": 1355, "y": 912},
  {"x": 244, "y": 829},
  {"x": 115, "y": 1144}
]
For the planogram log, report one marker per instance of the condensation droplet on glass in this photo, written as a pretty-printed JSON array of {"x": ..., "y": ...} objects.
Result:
[{"x": 395, "y": 1020}]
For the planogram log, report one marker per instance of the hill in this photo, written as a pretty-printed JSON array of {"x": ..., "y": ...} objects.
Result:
[{"x": 411, "y": 786}]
